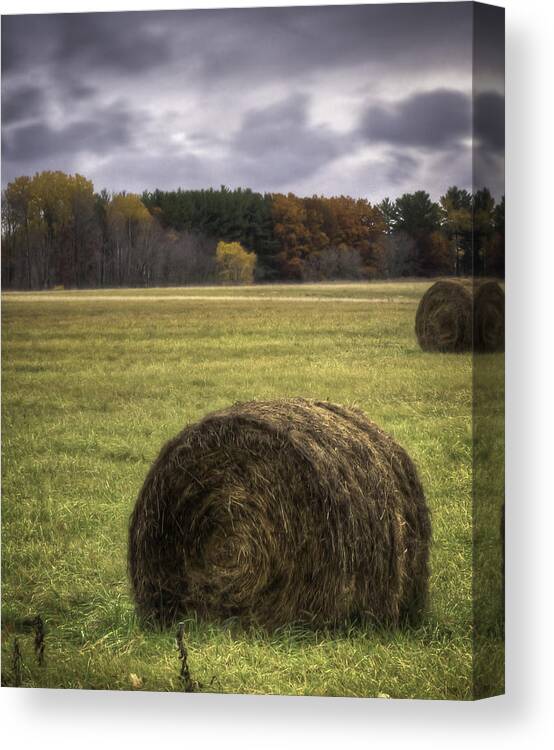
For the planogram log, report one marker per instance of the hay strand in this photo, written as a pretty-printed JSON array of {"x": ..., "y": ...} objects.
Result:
[{"x": 278, "y": 512}]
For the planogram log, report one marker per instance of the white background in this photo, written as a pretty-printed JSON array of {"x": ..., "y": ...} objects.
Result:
[{"x": 523, "y": 718}]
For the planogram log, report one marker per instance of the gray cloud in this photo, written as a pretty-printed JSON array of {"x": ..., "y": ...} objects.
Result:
[
  {"x": 400, "y": 167},
  {"x": 168, "y": 171},
  {"x": 279, "y": 141},
  {"x": 432, "y": 119},
  {"x": 21, "y": 103},
  {"x": 224, "y": 42},
  {"x": 79, "y": 91},
  {"x": 489, "y": 120},
  {"x": 271, "y": 98},
  {"x": 111, "y": 128},
  {"x": 118, "y": 41}
]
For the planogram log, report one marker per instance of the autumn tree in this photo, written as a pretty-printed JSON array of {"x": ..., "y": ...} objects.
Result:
[
  {"x": 50, "y": 220},
  {"x": 16, "y": 234},
  {"x": 57, "y": 230},
  {"x": 290, "y": 228},
  {"x": 129, "y": 223},
  {"x": 235, "y": 265},
  {"x": 439, "y": 258},
  {"x": 83, "y": 234},
  {"x": 239, "y": 215},
  {"x": 306, "y": 227}
]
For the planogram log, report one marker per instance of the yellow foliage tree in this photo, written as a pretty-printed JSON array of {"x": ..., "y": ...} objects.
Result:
[
  {"x": 57, "y": 212},
  {"x": 129, "y": 208},
  {"x": 235, "y": 265},
  {"x": 129, "y": 221}
]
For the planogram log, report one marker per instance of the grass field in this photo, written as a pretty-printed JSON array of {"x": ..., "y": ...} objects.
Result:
[{"x": 95, "y": 382}]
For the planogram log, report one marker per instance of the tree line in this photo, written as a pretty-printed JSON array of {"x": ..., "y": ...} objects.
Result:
[{"x": 57, "y": 231}]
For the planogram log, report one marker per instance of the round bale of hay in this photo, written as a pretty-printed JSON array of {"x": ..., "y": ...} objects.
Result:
[
  {"x": 489, "y": 304},
  {"x": 444, "y": 318},
  {"x": 278, "y": 512}
]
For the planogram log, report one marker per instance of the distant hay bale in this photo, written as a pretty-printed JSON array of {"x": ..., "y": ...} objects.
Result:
[
  {"x": 278, "y": 512},
  {"x": 453, "y": 316},
  {"x": 443, "y": 318},
  {"x": 489, "y": 303}
]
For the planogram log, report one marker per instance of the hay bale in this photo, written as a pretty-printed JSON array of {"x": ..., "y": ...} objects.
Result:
[
  {"x": 489, "y": 303},
  {"x": 444, "y": 318},
  {"x": 277, "y": 512}
]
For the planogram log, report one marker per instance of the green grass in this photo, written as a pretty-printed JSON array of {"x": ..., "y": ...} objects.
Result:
[{"x": 91, "y": 390}]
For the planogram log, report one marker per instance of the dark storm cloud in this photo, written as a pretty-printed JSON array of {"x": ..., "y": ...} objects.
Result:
[
  {"x": 121, "y": 41},
  {"x": 80, "y": 91},
  {"x": 21, "y": 103},
  {"x": 488, "y": 156},
  {"x": 488, "y": 43},
  {"x": 275, "y": 42},
  {"x": 433, "y": 119},
  {"x": 488, "y": 171},
  {"x": 400, "y": 167},
  {"x": 489, "y": 120},
  {"x": 279, "y": 139},
  {"x": 242, "y": 96},
  {"x": 260, "y": 42},
  {"x": 110, "y": 129}
]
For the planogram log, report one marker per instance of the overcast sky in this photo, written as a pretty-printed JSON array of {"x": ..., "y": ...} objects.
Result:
[{"x": 368, "y": 101}]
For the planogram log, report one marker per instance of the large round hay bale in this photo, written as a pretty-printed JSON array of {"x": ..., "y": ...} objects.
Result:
[
  {"x": 278, "y": 512},
  {"x": 444, "y": 318},
  {"x": 489, "y": 303}
]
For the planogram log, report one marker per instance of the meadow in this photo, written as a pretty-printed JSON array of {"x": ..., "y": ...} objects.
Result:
[{"x": 95, "y": 382}]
